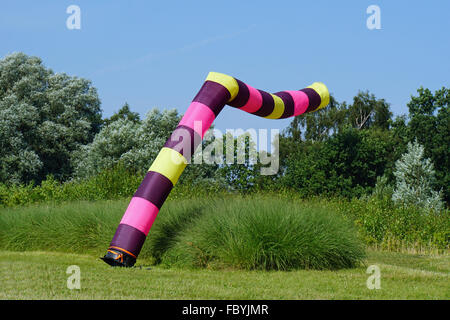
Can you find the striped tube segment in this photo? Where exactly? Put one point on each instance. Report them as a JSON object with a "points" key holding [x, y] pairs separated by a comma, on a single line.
{"points": [[217, 91]]}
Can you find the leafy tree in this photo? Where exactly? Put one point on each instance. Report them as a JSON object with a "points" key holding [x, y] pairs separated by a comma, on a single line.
{"points": [[356, 158], [320, 125], [341, 149], [305, 170], [239, 168], [123, 113], [415, 177], [346, 164], [134, 144], [429, 123], [44, 118], [367, 111]]}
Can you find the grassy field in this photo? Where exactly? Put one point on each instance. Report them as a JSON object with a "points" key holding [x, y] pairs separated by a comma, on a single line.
{"points": [[243, 234], [257, 249], [42, 275]]}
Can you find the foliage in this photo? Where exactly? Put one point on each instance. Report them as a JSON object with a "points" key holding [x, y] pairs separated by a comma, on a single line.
{"points": [[243, 233], [429, 123], [112, 183], [135, 144], [239, 159], [346, 164], [415, 180], [124, 113], [366, 112], [380, 222], [319, 125], [267, 234], [50, 125], [321, 154], [369, 112], [383, 224], [44, 118], [117, 182], [54, 147]]}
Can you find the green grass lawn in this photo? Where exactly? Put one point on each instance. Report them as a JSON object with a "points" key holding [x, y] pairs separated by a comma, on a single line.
{"points": [[42, 275]]}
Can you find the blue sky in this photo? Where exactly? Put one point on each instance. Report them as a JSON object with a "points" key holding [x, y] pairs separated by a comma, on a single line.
{"points": [[158, 53]]}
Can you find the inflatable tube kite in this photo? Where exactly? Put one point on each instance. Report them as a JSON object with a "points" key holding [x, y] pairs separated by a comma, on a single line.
{"points": [[219, 89]]}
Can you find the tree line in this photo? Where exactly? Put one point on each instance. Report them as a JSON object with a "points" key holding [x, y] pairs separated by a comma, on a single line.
{"points": [[52, 124]]}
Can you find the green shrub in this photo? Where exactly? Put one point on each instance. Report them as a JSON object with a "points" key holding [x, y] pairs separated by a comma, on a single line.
{"points": [[415, 178], [249, 233], [379, 221], [76, 227], [266, 234], [117, 182], [382, 223]]}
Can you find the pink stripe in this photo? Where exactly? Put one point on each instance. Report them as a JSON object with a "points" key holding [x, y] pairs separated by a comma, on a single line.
{"points": [[254, 102], [301, 101], [198, 117], [140, 214]]}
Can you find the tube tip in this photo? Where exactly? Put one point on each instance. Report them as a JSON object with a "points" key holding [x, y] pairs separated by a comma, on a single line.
{"points": [[323, 92]]}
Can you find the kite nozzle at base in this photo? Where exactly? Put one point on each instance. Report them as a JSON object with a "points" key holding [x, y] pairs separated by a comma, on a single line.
{"points": [[117, 258]]}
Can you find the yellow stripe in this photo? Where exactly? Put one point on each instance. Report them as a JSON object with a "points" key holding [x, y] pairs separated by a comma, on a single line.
{"points": [[322, 90], [169, 163], [227, 81], [278, 109]]}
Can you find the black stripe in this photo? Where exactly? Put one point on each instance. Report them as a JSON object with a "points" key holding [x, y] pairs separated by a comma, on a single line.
{"points": [[314, 99], [214, 95], [288, 104], [184, 140], [128, 238], [267, 105], [242, 97], [155, 188]]}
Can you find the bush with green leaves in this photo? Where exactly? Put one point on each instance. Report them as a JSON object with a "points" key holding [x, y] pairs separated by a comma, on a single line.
{"points": [[384, 224], [112, 183]]}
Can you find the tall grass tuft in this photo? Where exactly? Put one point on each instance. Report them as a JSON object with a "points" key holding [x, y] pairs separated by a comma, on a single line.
{"points": [[81, 227], [174, 219], [268, 234], [246, 233]]}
